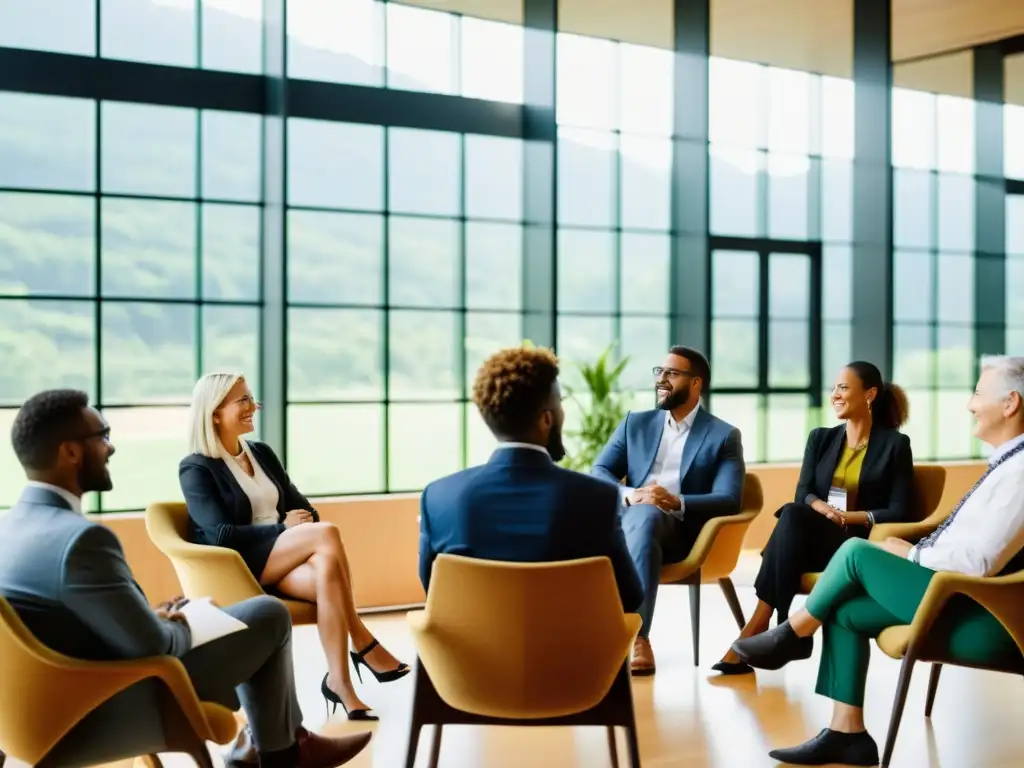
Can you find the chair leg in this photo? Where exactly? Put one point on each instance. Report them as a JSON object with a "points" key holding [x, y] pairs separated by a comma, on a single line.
{"points": [[201, 755], [902, 686], [147, 761], [729, 590], [435, 746], [634, 745], [933, 686], [414, 742], [695, 621], [612, 749]]}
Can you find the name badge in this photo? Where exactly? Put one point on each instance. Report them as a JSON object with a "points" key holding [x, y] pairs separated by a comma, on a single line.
{"points": [[837, 498]]}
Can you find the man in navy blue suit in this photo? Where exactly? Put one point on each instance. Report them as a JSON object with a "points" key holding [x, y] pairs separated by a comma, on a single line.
{"points": [[520, 506], [679, 467]]}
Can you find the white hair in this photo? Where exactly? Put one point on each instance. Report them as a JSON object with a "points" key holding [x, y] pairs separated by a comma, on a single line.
{"points": [[207, 396], [1010, 371]]}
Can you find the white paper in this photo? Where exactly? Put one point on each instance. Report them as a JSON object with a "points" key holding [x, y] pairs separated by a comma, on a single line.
{"points": [[837, 498], [208, 622]]}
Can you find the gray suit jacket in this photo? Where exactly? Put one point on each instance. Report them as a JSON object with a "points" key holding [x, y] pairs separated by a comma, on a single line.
{"points": [[69, 582]]}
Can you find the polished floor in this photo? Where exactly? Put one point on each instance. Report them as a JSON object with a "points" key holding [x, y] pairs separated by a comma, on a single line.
{"points": [[690, 716]]}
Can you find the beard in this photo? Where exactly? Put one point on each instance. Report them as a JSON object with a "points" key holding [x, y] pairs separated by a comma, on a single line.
{"points": [[674, 399], [555, 445], [93, 475]]}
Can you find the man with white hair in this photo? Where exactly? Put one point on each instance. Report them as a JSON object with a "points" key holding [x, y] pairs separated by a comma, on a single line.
{"points": [[868, 587]]}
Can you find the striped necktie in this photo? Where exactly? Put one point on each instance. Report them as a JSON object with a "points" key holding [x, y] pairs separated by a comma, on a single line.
{"points": [[930, 539]]}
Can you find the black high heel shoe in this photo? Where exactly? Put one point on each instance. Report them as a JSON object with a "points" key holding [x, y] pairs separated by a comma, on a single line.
{"points": [[382, 677], [330, 697]]}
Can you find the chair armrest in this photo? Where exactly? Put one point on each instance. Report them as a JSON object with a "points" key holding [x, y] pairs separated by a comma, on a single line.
{"points": [[912, 532], [709, 532], [217, 572]]}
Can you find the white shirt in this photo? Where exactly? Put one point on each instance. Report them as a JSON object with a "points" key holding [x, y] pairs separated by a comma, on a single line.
{"points": [[989, 528], [262, 493], [530, 446], [668, 462], [68, 496]]}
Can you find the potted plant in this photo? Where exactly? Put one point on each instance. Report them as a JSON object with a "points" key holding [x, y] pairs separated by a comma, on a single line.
{"points": [[605, 409]]}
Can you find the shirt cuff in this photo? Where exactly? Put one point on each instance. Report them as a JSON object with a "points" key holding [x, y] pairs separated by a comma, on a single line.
{"points": [[682, 504], [624, 494], [914, 555]]}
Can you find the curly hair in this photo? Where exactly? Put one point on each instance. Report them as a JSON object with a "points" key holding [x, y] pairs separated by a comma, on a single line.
{"points": [[512, 387], [44, 421]]}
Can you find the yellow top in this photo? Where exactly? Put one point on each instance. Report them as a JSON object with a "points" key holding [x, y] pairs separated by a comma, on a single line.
{"points": [[847, 474]]}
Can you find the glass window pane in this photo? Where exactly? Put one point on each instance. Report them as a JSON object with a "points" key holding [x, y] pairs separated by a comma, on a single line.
{"points": [[148, 150], [956, 288], [480, 443], [47, 244], [912, 356], [155, 32], [335, 165], [789, 363], [788, 422], [424, 443], [913, 129], [956, 426], [424, 262], [149, 353], [736, 103], [335, 354], [836, 346], [65, 26], [955, 146], [581, 340], [232, 156], [12, 478], [836, 201], [644, 340], [423, 353], [494, 265], [586, 178], [788, 197], [494, 177], [47, 142], [492, 60], [646, 179], [335, 257], [1013, 141], [744, 413], [231, 252], [956, 212], [734, 345], [955, 358], [424, 170], [736, 205], [1015, 341], [233, 35], [789, 111], [148, 249], [837, 283], [422, 50], [586, 271], [912, 209], [920, 427], [336, 42], [913, 284], [46, 344], [323, 457], [585, 87], [735, 284], [789, 286], [1015, 224], [150, 442], [837, 118], [1014, 299], [646, 89], [486, 333], [644, 270], [231, 342]]}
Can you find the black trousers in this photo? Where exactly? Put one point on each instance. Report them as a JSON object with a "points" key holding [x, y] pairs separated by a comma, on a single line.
{"points": [[803, 542]]}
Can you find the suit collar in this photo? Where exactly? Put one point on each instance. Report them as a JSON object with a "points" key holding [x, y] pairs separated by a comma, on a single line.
{"points": [[699, 421], [50, 495], [698, 431], [515, 453]]}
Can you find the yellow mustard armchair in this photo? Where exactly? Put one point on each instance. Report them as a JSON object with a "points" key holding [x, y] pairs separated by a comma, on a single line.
{"points": [[714, 557], [523, 644], [207, 571], [44, 695]]}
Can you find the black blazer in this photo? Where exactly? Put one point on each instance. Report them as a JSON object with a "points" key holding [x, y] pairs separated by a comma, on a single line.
{"points": [[220, 513], [886, 484]]}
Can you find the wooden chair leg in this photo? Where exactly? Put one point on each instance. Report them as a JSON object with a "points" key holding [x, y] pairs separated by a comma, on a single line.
{"points": [[435, 746], [902, 686], [933, 686], [612, 749], [695, 621], [729, 589]]}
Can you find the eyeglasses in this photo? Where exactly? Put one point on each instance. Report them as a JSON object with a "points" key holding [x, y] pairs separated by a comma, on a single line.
{"points": [[248, 400], [672, 373], [103, 433]]}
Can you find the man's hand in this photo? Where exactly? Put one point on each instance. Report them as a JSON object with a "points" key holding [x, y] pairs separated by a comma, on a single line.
{"points": [[897, 547], [297, 517], [656, 496], [171, 611]]}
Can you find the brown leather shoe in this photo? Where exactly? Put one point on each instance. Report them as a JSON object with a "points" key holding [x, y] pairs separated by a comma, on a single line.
{"points": [[643, 658], [317, 751], [242, 751]]}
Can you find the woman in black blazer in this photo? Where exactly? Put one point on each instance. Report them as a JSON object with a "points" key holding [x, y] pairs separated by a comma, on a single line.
{"points": [[239, 496], [853, 476]]}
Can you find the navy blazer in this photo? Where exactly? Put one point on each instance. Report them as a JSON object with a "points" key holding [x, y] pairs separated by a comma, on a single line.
{"points": [[712, 470], [886, 484], [221, 514], [522, 507]]}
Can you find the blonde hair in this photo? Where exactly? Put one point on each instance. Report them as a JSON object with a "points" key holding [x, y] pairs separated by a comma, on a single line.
{"points": [[207, 396]]}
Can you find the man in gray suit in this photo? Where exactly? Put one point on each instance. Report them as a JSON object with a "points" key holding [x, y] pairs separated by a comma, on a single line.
{"points": [[68, 581]]}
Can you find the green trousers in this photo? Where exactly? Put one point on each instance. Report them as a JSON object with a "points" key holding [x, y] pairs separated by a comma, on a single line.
{"points": [[865, 590]]}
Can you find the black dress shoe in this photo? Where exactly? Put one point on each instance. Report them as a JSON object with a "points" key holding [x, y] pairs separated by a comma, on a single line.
{"points": [[831, 747], [774, 648], [732, 668]]}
